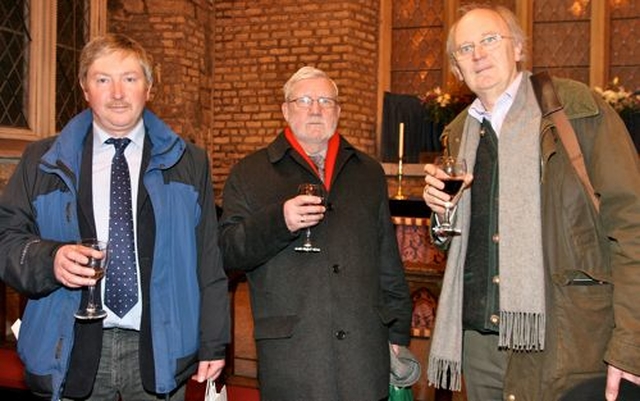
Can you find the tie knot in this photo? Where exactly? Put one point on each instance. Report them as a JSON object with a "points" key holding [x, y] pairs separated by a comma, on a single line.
{"points": [[119, 143], [318, 160]]}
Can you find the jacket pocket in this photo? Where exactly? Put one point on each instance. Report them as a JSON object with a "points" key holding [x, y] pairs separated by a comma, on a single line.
{"points": [[275, 327], [387, 315], [578, 278], [583, 309], [46, 338], [589, 255]]}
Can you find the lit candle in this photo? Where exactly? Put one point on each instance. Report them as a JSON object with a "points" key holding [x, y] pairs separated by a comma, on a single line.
{"points": [[401, 142]]}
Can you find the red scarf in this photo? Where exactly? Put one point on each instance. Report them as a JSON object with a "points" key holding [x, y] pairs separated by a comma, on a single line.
{"points": [[330, 159]]}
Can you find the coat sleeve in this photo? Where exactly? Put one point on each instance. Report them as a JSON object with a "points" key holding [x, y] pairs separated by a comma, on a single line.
{"points": [[615, 173], [27, 259], [215, 319], [250, 237], [614, 169], [395, 290]]}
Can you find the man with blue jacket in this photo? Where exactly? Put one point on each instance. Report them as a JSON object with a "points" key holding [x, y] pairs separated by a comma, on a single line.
{"points": [[174, 324]]}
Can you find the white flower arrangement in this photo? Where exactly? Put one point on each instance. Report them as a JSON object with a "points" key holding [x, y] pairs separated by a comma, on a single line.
{"points": [[622, 100], [443, 106]]}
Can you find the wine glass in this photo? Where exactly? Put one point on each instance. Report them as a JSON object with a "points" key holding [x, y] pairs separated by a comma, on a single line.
{"points": [[93, 310], [315, 190], [455, 169]]}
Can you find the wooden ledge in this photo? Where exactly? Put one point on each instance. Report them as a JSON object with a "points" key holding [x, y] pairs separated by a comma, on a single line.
{"points": [[12, 148]]}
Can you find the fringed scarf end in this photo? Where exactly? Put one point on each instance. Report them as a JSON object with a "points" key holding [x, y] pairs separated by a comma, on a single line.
{"points": [[444, 374], [522, 331]]}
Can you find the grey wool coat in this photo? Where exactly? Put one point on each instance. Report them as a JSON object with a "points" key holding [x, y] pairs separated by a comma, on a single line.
{"points": [[322, 320]]}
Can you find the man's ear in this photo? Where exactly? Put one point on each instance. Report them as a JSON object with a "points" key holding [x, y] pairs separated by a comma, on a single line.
{"points": [[518, 52], [84, 91], [455, 70]]}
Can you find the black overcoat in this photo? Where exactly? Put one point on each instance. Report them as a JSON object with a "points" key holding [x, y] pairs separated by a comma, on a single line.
{"points": [[322, 320]]}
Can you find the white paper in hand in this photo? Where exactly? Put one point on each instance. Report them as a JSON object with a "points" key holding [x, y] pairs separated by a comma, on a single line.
{"points": [[212, 393]]}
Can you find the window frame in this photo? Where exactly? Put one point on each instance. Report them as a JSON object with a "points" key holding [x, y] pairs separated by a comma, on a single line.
{"points": [[41, 105]]}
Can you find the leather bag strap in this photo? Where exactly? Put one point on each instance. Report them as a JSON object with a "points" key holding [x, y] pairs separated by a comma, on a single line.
{"points": [[551, 107]]}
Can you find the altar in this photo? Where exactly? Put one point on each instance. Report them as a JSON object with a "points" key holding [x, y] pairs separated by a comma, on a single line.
{"points": [[424, 269]]}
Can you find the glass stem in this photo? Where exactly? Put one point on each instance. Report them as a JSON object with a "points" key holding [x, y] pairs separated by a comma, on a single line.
{"points": [[307, 241], [91, 300], [447, 215]]}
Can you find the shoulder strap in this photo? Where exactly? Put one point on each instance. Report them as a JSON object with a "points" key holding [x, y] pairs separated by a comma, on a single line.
{"points": [[551, 107]]}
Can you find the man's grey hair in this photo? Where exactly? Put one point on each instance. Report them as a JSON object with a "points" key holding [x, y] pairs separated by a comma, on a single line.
{"points": [[306, 72]]}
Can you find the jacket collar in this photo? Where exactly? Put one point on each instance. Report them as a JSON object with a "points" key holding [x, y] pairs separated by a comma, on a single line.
{"points": [[578, 101], [574, 97], [66, 152], [280, 147]]}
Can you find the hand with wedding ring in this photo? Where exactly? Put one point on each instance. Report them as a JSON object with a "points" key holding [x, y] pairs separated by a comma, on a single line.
{"points": [[432, 194], [303, 211]]}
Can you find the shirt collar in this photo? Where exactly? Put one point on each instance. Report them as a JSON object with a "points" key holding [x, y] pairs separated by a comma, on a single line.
{"points": [[504, 102], [136, 135]]}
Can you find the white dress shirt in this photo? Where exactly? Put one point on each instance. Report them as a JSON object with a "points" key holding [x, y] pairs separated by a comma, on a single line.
{"points": [[102, 155], [500, 109]]}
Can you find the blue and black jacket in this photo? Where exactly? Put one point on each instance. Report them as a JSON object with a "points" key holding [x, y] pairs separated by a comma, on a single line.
{"points": [[180, 262]]}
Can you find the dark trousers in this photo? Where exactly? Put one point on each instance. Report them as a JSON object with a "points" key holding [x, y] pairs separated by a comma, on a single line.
{"points": [[118, 376], [483, 366]]}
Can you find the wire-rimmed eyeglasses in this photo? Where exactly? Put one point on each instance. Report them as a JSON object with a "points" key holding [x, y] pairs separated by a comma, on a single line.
{"points": [[305, 102], [489, 42]]}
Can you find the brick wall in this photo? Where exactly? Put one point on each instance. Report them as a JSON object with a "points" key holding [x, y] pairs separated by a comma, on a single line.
{"points": [[178, 35], [259, 44], [220, 66]]}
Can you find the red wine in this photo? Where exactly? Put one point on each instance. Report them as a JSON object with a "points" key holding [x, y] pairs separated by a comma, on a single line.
{"points": [[451, 187]]}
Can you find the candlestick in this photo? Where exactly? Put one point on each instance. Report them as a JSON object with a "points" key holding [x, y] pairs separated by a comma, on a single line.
{"points": [[401, 142], [399, 194]]}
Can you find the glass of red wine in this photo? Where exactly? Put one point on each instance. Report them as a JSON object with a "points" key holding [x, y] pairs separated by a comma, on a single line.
{"points": [[315, 190], [455, 169]]}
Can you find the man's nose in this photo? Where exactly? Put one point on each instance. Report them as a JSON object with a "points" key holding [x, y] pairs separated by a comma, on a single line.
{"points": [[479, 51], [117, 90], [315, 107]]}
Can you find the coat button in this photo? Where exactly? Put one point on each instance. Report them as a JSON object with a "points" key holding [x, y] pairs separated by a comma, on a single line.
{"points": [[495, 279], [495, 238], [511, 397], [341, 334], [336, 268], [494, 319]]}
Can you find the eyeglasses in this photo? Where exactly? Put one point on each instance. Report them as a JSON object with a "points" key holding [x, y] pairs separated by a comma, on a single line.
{"points": [[305, 102], [489, 42]]}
